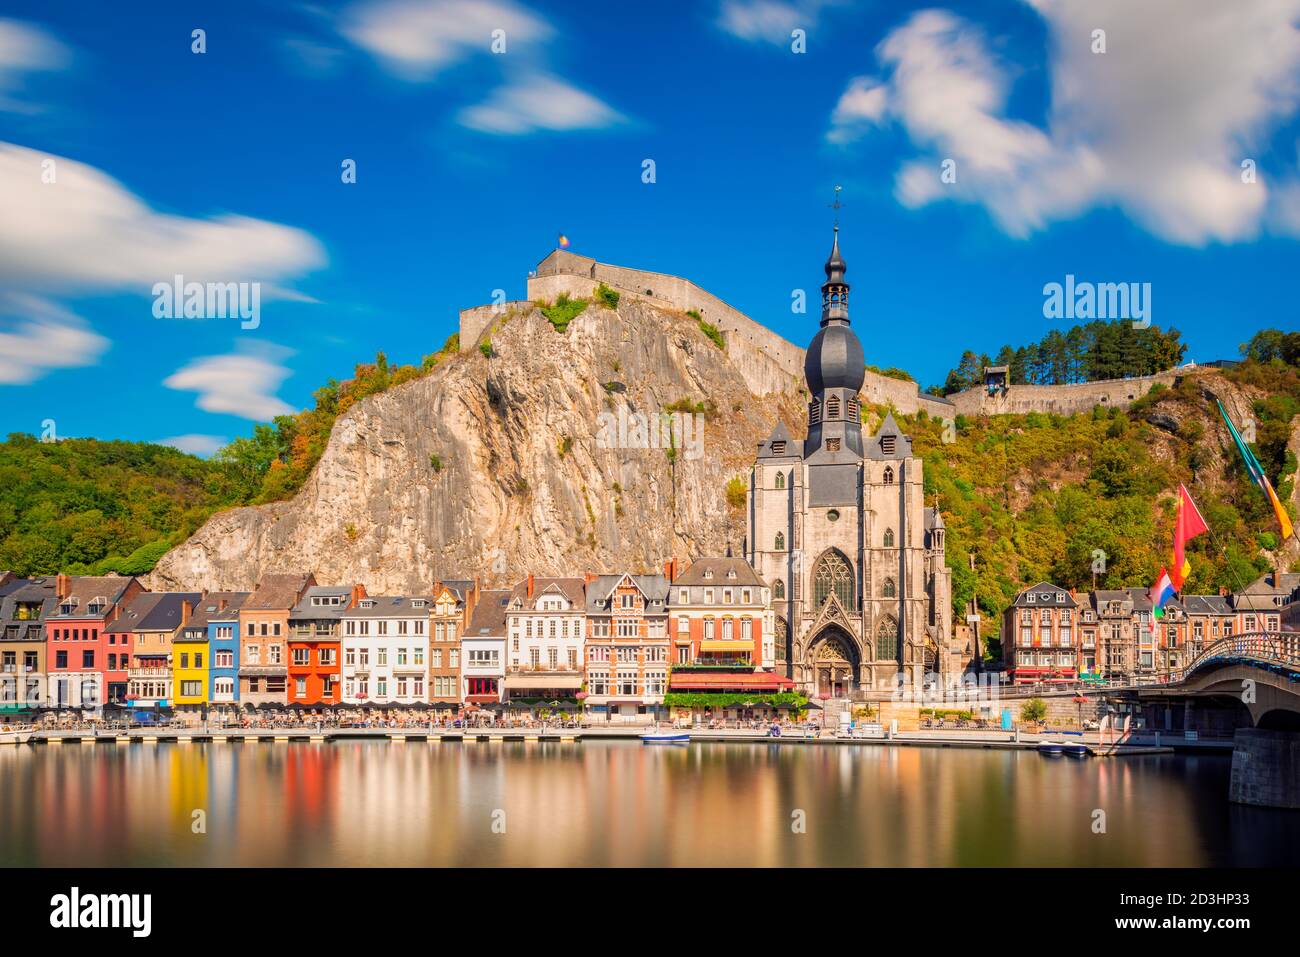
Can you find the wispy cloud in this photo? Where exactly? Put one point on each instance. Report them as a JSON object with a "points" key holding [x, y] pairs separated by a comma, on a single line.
{"points": [[538, 102], [241, 383], [37, 336], [195, 444], [769, 21], [418, 39], [1158, 125], [26, 48], [85, 231]]}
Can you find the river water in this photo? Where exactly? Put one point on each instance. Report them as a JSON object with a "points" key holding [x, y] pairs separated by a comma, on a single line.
{"points": [[373, 803]]}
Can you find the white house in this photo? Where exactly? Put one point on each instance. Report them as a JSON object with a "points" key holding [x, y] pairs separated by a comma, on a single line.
{"points": [[386, 650]]}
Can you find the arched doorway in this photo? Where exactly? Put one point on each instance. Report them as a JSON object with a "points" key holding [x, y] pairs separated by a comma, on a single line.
{"points": [[834, 663]]}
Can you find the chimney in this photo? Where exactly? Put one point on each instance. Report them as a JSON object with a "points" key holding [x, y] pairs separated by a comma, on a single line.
{"points": [[591, 577], [221, 604], [358, 593], [530, 586], [187, 606], [670, 570], [62, 586]]}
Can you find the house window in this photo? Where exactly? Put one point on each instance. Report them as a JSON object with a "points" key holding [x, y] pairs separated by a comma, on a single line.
{"points": [[88, 660], [301, 657]]}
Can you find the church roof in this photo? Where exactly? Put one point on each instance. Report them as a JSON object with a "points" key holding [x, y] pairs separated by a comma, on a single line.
{"points": [[889, 442]]}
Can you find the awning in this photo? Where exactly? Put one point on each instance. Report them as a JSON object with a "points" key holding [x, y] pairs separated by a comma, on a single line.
{"points": [[728, 681], [519, 682], [480, 698], [718, 644]]}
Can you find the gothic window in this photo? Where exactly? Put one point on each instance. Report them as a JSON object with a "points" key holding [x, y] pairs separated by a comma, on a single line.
{"points": [[780, 480], [833, 575], [887, 640], [833, 407], [889, 538], [889, 475], [778, 589], [891, 591], [780, 542]]}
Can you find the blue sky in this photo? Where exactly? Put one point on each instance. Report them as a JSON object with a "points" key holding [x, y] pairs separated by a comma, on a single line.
{"points": [[1122, 165]]}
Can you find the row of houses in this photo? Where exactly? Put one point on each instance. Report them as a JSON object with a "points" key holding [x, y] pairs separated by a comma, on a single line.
{"points": [[609, 641], [1053, 635]]}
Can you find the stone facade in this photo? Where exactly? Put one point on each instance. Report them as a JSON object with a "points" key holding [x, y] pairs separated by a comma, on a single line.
{"points": [[838, 527]]}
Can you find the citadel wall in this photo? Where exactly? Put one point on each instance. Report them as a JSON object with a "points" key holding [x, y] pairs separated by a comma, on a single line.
{"points": [[768, 363]]}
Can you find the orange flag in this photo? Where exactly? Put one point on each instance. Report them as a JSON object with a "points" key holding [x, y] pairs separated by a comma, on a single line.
{"points": [[1187, 526]]}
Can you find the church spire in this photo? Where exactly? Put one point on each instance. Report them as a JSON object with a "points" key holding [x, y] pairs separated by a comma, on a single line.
{"points": [[835, 291]]}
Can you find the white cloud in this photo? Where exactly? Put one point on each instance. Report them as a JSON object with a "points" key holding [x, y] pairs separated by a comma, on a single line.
{"points": [[769, 21], [861, 106], [240, 383], [195, 444], [86, 232], [538, 102], [37, 336], [418, 39], [1158, 125], [25, 48]]}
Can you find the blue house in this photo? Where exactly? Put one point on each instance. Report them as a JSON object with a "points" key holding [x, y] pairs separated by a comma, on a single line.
{"points": [[223, 648]]}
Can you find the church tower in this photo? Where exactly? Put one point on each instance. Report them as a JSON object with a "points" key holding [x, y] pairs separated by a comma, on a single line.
{"points": [[837, 526]]}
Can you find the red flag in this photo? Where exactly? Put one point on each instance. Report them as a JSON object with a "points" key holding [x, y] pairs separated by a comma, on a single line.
{"points": [[1187, 526]]}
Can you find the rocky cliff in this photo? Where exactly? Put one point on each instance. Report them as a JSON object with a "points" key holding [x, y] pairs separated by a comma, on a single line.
{"points": [[497, 466]]}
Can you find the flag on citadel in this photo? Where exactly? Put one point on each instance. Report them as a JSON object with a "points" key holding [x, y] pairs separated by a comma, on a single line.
{"points": [[1161, 592], [1259, 478], [1187, 526], [563, 241]]}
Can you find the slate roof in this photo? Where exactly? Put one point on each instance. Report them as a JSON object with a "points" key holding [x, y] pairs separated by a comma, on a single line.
{"points": [[278, 592], [86, 588], [305, 609], [23, 591], [153, 611], [1045, 595], [209, 610], [745, 574], [654, 587], [489, 618], [570, 588], [389, 606]]}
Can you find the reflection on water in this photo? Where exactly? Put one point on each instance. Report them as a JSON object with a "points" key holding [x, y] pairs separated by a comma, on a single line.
{"points": [[374, 803]]}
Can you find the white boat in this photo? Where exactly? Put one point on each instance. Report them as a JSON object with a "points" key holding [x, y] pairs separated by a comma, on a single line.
{"points": [[15, 737], [665, 737]]}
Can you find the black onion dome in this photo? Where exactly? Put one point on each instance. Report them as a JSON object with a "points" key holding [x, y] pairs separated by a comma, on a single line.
{"points": [[834, 360]]}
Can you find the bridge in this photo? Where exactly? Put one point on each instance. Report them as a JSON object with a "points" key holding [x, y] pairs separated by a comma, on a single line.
{"points": [[1250, 683]]}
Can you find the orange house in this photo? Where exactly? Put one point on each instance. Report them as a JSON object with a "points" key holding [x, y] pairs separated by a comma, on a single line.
{"points": [[315, 635], [264, 637]]}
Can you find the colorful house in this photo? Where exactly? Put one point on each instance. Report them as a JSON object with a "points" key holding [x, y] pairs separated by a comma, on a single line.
{"points": [[25, 604], [85, 665], [453, 604], [722, 615], [483, 649], [627, 646], [386, 650], [192, 654], [544, 627], [1040, 636], [153, 620], [264, 627], [315, 643], [223, 649]]}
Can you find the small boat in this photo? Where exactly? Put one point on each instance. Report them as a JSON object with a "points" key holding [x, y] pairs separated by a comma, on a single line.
{"points": [[666, 737], [15, 737], [1051, 747], [1076, 749]]}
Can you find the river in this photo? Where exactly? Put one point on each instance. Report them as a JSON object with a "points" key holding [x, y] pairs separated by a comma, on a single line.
{"points": [[374, 803]]}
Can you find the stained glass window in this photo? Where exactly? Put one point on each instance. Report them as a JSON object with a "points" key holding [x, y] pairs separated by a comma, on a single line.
{"points": [[833, 574]]}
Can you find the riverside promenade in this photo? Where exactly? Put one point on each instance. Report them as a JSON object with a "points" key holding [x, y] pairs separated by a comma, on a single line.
{"points": [[1133, 744]]}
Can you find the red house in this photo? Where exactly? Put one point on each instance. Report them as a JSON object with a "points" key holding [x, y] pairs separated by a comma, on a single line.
{"points": [[85, 665], [314, 643]]}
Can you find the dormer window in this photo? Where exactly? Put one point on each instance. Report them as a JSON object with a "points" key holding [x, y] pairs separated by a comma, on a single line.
{"points": [[367, 603], [731, 573], [97, 604], [778, 448], [708, 573], [887, 444], [418, 602], [68, 607], [1030, 598]]}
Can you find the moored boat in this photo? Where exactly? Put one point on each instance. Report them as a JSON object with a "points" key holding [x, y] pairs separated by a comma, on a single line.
{"points": [[665, 737], [1051, 747], [1076, 749]]}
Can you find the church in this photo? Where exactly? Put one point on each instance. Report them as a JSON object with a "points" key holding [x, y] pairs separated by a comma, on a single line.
{"points": [[838, 527]]}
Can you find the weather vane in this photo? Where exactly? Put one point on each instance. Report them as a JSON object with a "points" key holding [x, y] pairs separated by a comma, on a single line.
{"points": [[837, 206]]}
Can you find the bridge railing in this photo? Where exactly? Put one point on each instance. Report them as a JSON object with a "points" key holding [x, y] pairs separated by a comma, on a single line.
{"points": [[1268, 647]]}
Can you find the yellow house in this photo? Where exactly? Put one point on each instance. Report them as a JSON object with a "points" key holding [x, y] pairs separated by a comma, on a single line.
{"points": [[190, 661]]}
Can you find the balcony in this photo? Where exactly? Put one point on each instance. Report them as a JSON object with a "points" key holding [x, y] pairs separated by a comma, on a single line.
{"points": [[149, 672]]}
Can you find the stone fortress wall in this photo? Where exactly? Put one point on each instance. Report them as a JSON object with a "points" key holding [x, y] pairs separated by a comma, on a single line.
{"points": [[770, 363]]}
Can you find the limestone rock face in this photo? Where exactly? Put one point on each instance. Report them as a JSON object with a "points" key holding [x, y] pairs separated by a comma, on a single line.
{"points": [[498, 467]]}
